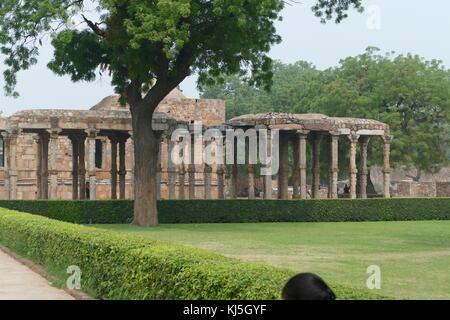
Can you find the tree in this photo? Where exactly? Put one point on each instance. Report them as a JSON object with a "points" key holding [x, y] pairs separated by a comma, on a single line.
{"points": [[149, 47], [242, 98], [407, 92]]}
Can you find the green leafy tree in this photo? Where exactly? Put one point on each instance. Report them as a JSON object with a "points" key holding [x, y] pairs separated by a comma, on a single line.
{"points": [[149, 47], [243, 98], [407, 92]]}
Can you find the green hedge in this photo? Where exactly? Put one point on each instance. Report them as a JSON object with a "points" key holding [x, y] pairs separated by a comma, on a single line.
{"points": [[236, 211], [119, 266]]}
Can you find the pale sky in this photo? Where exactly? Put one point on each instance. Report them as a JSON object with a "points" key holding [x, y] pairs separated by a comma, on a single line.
{"points": [[416, 26]]}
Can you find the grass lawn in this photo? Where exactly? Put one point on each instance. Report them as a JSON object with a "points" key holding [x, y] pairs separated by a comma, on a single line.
{"points": [[414, 257]]}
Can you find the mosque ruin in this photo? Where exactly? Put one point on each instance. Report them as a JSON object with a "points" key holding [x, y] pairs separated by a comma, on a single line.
{"points": [[88, 154]]}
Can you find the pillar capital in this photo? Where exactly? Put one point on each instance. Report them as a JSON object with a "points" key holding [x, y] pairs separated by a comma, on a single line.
{"points": [[54, 132], [353, 137], [302, 133], [334, 134], [387, 139], [208, 169], [91, 133]]}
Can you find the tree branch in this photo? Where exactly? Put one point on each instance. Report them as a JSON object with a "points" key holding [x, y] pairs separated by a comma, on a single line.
{"points": [[94, 27]]}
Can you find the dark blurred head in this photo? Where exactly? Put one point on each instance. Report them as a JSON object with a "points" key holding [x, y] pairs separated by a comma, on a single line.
{"points": [[307, 286]]}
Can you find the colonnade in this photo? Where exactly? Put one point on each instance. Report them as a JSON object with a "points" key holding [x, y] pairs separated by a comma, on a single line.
{"points": [[83, 144], [299, 140]]}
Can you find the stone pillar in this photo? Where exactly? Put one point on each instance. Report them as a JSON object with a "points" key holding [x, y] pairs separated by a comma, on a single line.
{"points": [[316, 166], [38, 141], [363, 172], [220, 181], [122, 167], [284, 167], [53, 169], [251, 171], [42, 141], [191, 170], [207, 181], [302, 136], [334, 166], [11, 172], [296, 168], [352, 168], [251, 181], [171, 170], [268, 178], [114, 142], [82, 166], [159, 171], [92, 170], [181, 182], [5, 137], [75, 161], [132, 164], [234, 173], [386, 165]]}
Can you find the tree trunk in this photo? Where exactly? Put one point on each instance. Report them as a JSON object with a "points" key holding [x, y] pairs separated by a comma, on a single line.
{"points": [[146, 149]]}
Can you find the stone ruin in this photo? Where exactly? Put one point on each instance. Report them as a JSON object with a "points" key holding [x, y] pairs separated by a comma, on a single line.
{"points": [[88, 154]]}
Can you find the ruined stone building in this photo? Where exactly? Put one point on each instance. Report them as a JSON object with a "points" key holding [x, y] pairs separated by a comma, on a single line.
{"points": [[40, 150], [88, 154]]}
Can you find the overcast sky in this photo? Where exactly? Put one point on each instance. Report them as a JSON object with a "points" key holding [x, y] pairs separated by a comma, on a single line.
{"points": [[416, 26]]}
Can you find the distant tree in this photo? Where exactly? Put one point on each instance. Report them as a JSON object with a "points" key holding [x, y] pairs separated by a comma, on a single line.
{"points": [[242, 98], [149, 47]]}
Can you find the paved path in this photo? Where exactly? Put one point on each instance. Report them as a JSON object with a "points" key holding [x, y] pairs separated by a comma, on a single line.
{"points": [[17, 282]]}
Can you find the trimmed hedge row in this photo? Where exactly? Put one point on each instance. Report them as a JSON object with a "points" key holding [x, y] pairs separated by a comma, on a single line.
{"points": [[237, 211], [119, 266]]}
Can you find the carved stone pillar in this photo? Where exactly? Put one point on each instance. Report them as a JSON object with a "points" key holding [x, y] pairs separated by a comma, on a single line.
{"points": [[113, 140], [207, 181], [352, 168], [234, 173], [42, 141], [220, 181], [75, 161], [284, 167], [11, 172], [191, 170], [302, 137], [38, 141], [171, 170], [53, 169], [122, 166], [268, 190], [131, 153], [363, 172], [334, 166], [82, 166], [6, 152], [316, 166], [386, 165], [296, 168], [181, 182], [92, 170], [158, 170], [251, 181]]}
